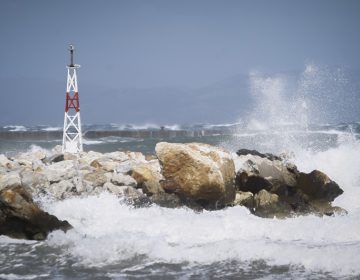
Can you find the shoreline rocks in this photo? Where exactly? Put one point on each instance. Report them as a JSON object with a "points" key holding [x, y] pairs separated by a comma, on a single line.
{"points": [[195, 175], [20, 217]]}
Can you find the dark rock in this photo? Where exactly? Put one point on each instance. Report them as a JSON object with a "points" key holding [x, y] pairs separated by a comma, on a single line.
{"points": [[244, 199], [54, 158], [322, 207], [318, 185], [248, 182], [20, 217], [268, 205], [166, 200], [170, 186], [244, 152]]}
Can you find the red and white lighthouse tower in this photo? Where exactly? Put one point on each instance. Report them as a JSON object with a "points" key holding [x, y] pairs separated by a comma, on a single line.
{"points": [[72, 136]]}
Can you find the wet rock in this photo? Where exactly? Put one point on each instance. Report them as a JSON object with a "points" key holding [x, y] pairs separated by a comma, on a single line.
{"points": [[244, 152], [250, 182], [54, 158], [275, 169], [318, 185], [147, 178], [268, 205], [202, 172], [245, 199], [20, 217], [323, 207], [166, 200]]}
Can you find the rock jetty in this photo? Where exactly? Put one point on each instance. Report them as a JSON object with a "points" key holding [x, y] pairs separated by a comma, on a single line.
{"points": [[195, 175]]}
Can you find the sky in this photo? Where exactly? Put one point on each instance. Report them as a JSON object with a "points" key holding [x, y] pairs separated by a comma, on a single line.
{"points": [[165, 44]]}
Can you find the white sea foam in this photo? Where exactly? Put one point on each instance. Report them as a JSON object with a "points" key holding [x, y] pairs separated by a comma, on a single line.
{"points": [[51, 128], [117, 232], [15, 127]]}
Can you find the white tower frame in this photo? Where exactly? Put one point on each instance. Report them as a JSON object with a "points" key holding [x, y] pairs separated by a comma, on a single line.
{"points": [[72, 135]]}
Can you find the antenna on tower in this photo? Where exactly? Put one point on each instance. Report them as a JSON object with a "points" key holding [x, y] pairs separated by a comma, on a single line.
{"points": [[71, 49], [72, 136]]}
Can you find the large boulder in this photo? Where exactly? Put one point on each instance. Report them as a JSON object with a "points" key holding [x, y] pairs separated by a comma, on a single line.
{"points": [[201, 172], [20, 217], [318, 185]]}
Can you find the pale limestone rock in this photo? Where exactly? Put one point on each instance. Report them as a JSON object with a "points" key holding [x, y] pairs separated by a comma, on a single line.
{"points": [[123, 180], [96, 178], [62, 189], [7, 163], [10, 179], [62, 170]]}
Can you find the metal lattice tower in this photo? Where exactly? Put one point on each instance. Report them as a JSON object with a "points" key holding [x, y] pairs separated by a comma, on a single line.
{"points": [[72, 137]]}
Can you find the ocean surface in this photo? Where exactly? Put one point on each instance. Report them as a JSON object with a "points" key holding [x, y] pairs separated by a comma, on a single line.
{"points": [[112, 240]]}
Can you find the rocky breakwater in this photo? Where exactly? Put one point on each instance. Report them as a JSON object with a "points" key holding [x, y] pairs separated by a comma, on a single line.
{"points": [[195, 175], [270, 186]]}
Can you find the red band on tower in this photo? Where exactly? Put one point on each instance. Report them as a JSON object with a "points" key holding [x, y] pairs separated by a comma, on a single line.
{"points": [[72, 102]]}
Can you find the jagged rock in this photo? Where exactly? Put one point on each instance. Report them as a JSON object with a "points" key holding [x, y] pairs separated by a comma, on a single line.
{"points": [[54, 158], [4, 161], [34, 181], [20, 217], [96, 164], [123, 191], [89, 157], [123, 180], [166, 200], [318, 185], [62, 189], [268, 205], [147, 178], [244, 152], [245, 199], [322, 207], [11, 179], [249, 182], [202, 172], [58, 171], [96, 178], [275, 169], [7, 163]]}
